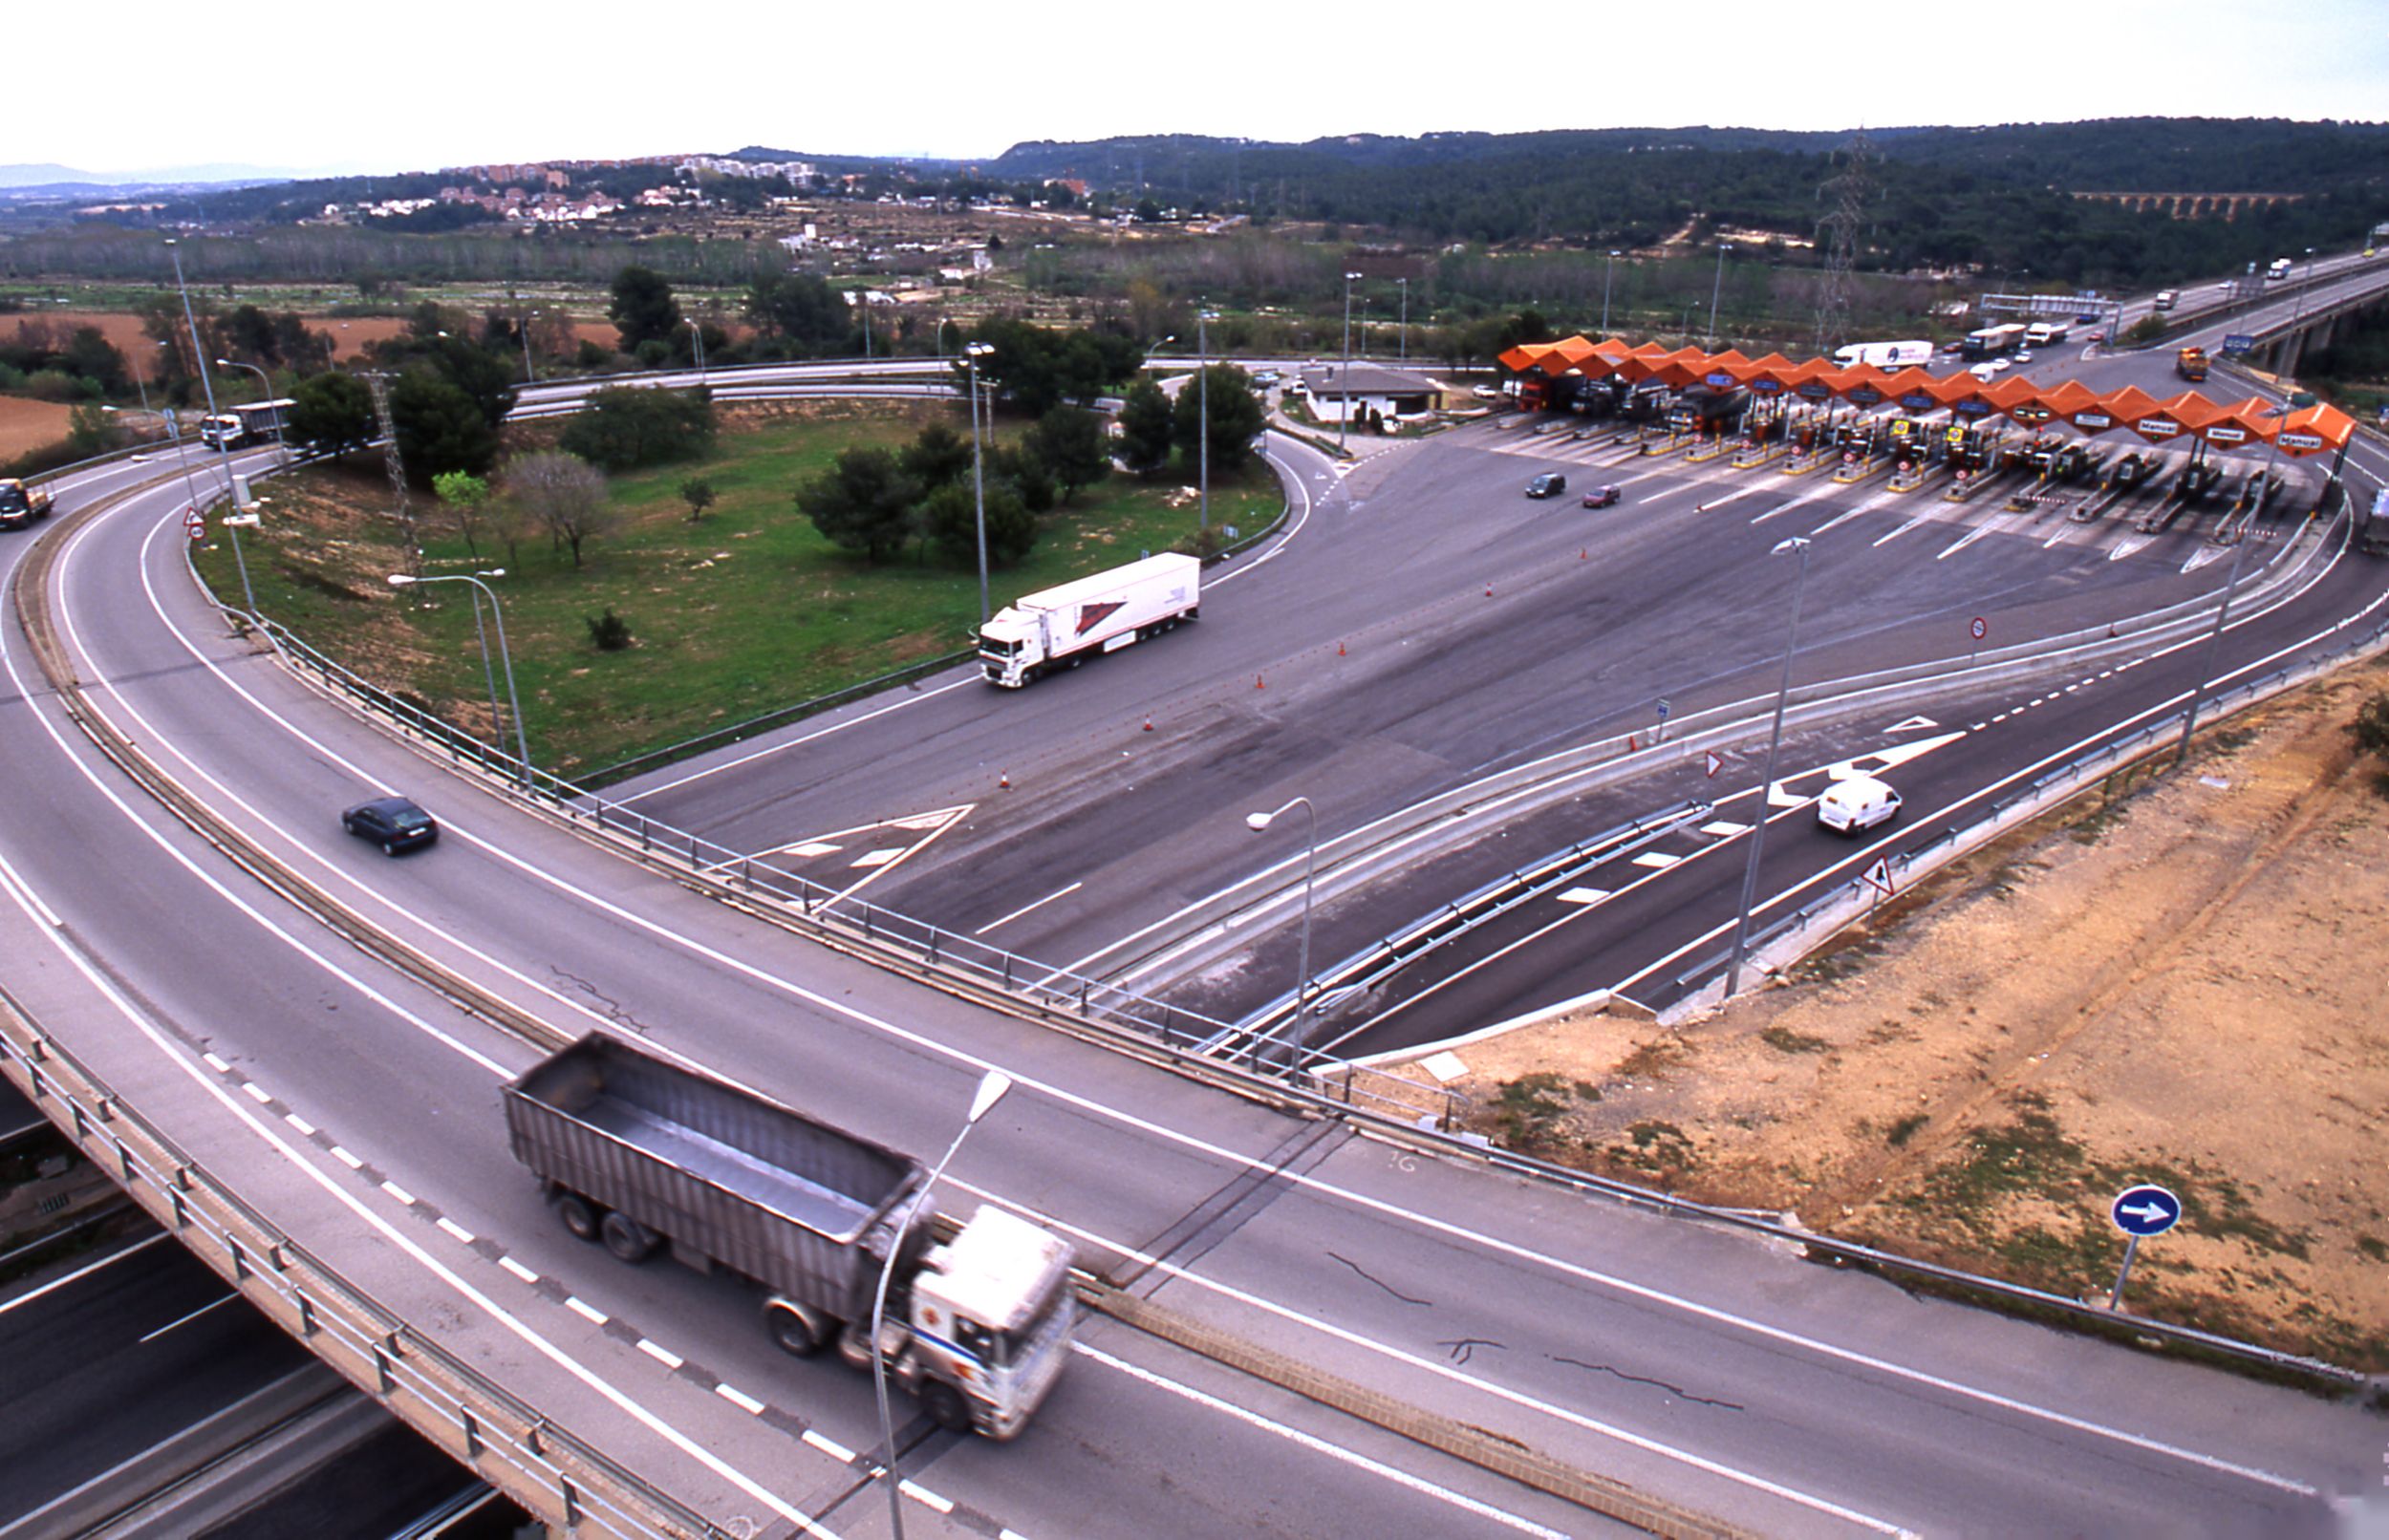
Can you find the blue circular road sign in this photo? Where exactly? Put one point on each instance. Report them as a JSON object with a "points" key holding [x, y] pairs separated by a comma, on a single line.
{"points": [[2146, 1210]]}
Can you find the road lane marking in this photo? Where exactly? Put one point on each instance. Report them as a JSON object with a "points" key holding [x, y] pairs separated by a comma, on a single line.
{"points": [[463, 1236], [1025, 908], [192, 1317], [1319, 1445], [55, 1284], [587, 1312], [740, 1399], [664, 1355], [518, 1270]]}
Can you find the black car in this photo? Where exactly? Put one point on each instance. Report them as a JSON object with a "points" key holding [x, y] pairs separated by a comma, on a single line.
{"points": [[1601, 497], [1549, 484], [392, 822]]}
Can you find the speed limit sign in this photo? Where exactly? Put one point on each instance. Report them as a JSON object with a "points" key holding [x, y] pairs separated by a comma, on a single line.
{"points": [[1981, 628], [196, 528]]}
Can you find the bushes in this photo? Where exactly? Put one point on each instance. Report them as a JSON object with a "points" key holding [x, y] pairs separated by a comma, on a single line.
{"points": [[625, 428]]}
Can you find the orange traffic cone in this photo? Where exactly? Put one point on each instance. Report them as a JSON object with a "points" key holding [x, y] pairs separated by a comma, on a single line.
{"points": [[1003, 780], [1259, 683], [1631, 746], [1584, 555], [1148, 723], [1339, 648], [1488, 591]]}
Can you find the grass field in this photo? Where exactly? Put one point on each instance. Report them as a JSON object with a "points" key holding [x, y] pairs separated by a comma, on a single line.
{"points": [[746, 612]]}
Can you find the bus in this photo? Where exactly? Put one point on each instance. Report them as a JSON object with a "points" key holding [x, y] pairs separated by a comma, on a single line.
{"points": [[1993, 340]]}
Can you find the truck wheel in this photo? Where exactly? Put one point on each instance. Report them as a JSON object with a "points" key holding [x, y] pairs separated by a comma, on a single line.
{"points": [[945, 1406], [627, 1238], [794, 1334], [579, 1215]]}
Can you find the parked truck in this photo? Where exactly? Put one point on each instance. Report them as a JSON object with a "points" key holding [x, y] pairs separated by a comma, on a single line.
{"points": [[21, 504], [2190, 363], [643, 1154], [1062, 627]]}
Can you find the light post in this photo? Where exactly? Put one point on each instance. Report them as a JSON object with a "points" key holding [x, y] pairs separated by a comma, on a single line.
{"points": [[1258, 822], [1798, 543], [1716, 288], [173, 431], [531, 375], [198, 356], [265, 386], [234, 523], [697, 337], [140, 381], [1609, 273], [991, 1089], [522, 741], [975, 352], [1344, 384], [1405, 283], [1202, 406]]}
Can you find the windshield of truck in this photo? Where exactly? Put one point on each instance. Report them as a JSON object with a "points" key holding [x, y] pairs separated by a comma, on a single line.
{"points": [[1018, 1346], [12, 498], [993, 648]]}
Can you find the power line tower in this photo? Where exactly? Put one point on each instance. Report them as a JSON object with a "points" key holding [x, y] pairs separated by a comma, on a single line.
{"points": [[379, 383], [1849, 192]]}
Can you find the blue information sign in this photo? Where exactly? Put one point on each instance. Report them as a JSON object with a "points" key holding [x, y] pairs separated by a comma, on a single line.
{"points": [[2147, 1210], [2239, 344]]}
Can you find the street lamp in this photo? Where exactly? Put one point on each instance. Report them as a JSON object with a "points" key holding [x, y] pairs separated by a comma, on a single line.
{"points": [[1798, 543], [198, 356], [522, 741], [1344, 416], [1717, 286], [696, 336], [1405, 283], [1202, 403], [1258, 822], [531, 375], [1609, 272], [992, 1087], [975, 352]]}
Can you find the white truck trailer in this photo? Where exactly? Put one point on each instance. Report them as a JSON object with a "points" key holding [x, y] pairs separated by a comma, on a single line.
{"points": [[1883, 354], [641, 1154], [1062, 626]]}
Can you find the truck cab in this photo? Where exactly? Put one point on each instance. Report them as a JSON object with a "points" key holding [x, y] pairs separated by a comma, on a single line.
{"points": [[990, 1315], [21, 504]]}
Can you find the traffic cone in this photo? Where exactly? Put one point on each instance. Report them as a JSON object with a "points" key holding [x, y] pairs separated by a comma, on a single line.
{"points": [[1631, 746], [1259, 683], [1148, 723], [1488, 591], [1003, 780], [1339, 648], [1584, 555]]}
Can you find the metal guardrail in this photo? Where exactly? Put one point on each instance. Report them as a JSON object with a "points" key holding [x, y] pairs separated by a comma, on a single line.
{"points": [[546, 1467]]}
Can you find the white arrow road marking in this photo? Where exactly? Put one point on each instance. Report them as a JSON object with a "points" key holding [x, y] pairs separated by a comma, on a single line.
{"points": [[1913, 724]]}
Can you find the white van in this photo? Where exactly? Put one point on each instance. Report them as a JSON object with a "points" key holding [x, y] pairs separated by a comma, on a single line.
{"points": [[1857, 804]]}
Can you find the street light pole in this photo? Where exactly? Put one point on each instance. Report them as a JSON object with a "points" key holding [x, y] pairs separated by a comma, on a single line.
{"points": [[1609, 273], [522, 739], [1344, 385], [1298, 1038], [991, 1089], [1716, 288], [975, 352], [198, 356], [531, 375], [696, 336], [1202, 403], [1798, 543]]}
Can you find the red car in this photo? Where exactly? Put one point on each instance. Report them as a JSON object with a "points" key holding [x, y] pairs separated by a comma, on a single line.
{"points": [[1601, 497]]}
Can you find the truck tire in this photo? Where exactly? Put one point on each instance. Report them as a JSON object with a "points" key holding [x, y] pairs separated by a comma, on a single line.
{"points": [[796, 1336], [579, 1215], [627, 1238], [945, 1406]]}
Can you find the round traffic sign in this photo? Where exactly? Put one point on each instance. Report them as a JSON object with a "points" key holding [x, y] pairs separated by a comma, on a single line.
{"points": [[196, 528], [1981, 628], [2146, 1210]]}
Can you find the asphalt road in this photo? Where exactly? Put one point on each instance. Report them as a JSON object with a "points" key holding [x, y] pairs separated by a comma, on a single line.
{"points": [[360, 1112], [112, 1356]]}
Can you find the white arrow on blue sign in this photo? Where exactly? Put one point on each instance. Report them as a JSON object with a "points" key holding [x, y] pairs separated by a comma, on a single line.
{"points": [[2147, 1210]]}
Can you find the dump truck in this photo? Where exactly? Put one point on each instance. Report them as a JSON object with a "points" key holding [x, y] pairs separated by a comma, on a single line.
{"points": [[21, 504], [251, 423], [1062, 626], [643, 1154], [2190, 363]]}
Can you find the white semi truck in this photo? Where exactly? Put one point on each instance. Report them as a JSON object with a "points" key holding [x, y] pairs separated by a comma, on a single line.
{"points": [[1062, 626], [644, 1154]]}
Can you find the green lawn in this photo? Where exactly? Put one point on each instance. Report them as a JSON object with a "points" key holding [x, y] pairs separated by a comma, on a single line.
{"points": [[748, 611]]}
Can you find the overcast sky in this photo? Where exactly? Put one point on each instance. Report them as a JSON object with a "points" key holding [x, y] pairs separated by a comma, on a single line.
{"points": [[438, 82]]}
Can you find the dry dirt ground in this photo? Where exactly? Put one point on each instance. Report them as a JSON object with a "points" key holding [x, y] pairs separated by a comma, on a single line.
{"points": [[349, 333], [27, 424], [2177, 979]]}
